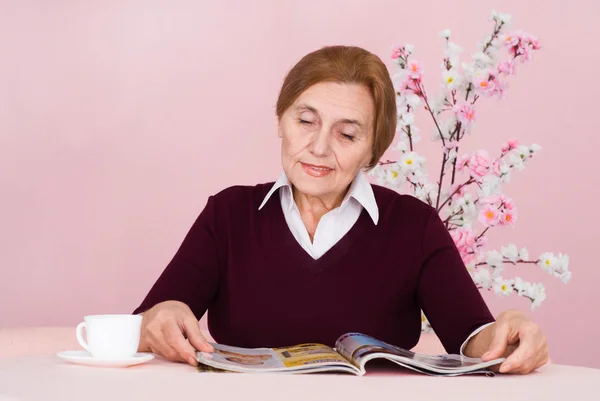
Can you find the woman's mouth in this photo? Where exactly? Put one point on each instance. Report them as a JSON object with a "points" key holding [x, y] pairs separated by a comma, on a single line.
{"points": [[315, 170]]}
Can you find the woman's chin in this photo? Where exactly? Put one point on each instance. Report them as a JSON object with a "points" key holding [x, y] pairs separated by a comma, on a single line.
{"points": [[313, 186]]}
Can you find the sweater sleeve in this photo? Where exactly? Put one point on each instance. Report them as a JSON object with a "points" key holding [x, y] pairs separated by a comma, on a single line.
{"points": [[446, 292], [192, 274]]}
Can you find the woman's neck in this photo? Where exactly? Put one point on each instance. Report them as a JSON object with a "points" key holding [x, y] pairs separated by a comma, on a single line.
{"points": [[312, 208]]}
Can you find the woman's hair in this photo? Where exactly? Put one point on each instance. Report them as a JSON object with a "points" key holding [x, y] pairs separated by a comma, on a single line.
{"points": [[347, 64]]}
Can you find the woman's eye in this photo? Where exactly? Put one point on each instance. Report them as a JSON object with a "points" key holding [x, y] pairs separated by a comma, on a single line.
{"points": [[305, 122], [349, 137]]}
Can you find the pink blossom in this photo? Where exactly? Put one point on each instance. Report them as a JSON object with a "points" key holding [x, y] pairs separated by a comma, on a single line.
{"points": [[524, 51], [397, 52], [491, 200], [465, 241], [465, 112], [479, 244], [506, 67], [531, 41], [490, 215], [449, 145], [510, 145], [501, 88], [408, 85], [479, 163], [485, 84], [463, 237], [497, 167], [508, 203], [415, 70], [508, 218], [457, 189], [510, 40], [462, 162]]}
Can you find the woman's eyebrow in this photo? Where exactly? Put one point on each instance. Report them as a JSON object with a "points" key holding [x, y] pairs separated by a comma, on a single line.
{"points": [[304, 106]]}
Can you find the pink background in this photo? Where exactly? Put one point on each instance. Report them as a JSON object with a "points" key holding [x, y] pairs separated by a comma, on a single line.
{"points": [[118, 119]]}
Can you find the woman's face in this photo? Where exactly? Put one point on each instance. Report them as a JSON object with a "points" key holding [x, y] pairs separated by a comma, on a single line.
{"points": [[327, 137]]}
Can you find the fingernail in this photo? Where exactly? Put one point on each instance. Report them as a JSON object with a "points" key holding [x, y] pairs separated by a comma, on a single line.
{"points": [[504, 367], [486, 355]]}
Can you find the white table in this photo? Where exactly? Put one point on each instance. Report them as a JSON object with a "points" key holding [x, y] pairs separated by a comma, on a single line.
{"points": [[50, 378]]}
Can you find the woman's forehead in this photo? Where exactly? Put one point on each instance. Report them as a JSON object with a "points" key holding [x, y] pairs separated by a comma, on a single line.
{"points": [[337, 101]]}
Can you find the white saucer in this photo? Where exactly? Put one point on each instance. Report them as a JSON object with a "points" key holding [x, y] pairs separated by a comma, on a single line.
{"points": [[81, 357]]}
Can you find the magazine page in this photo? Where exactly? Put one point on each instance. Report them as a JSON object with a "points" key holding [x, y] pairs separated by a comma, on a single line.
{"points": [[308, 357], [359, 348]]}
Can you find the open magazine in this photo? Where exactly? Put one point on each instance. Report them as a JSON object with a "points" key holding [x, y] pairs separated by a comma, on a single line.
{"points": [[351, 353]]}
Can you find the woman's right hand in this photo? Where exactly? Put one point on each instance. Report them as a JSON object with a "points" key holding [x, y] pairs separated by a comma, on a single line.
{"points": [[171, 330]]}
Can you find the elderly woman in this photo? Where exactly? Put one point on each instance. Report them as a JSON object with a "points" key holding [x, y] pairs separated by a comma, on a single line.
{"points": [[321, 251]]}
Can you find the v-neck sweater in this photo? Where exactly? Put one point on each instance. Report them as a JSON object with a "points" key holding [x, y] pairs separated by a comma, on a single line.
{"points": [[261, 288]]}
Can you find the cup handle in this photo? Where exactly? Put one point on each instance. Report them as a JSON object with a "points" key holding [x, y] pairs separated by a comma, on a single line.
{"points": [[78, 333]]}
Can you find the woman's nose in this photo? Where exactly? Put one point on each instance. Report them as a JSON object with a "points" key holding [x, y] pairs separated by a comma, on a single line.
{"points": [[320, 143]]}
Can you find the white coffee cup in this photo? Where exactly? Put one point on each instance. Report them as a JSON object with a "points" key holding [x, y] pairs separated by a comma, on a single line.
{"points": [[110, 336]]}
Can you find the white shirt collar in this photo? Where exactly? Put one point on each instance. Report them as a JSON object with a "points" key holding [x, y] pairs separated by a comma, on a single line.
{"points": [[360, 190]]}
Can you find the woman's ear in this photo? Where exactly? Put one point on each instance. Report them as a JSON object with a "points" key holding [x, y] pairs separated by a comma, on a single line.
{"points": [[279, 130]]}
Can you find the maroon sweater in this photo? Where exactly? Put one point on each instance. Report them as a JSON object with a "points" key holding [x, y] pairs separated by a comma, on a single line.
{"points": [[262, 289]]}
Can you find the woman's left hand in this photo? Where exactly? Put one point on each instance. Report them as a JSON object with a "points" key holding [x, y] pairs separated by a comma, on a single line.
{"points": [[518, 339]]}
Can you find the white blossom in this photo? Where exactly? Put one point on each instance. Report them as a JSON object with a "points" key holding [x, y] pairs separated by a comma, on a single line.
{"points": [[452, 50], [510, 252], [536, 292], [437, 104], [494, 258], [483, 278], [562, 262], [515, 161], [431, 190], [538, 295], [408, 119], [548, 262], [524, 254], [523, 152], [410, 161], [413, 100], [565, 277], [379, 173], [469, 207], [451, 79], [482, 61], [468, 71], [451, 155], [501, 17], [519, 285], [561, 268], [415, 135], [394, 176], [417, 176], [490, 185], [398, 77], [425, 325], [445, 33], [402, 146], [421, 193], [502, 286]]}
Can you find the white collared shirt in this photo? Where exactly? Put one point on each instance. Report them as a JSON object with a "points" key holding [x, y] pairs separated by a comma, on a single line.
{"points": [[335, 223]]}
